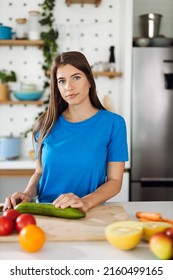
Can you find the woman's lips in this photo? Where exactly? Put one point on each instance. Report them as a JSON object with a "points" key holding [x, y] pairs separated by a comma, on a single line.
{"points": [[71, 96]]}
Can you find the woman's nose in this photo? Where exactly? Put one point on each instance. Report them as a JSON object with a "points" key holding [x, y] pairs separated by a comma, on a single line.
{"points": [[68, 85]]}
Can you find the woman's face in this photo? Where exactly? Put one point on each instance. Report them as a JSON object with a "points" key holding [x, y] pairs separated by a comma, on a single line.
{"points": [[72, 84]]}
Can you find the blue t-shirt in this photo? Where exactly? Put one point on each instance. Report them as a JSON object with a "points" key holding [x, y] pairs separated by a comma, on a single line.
{"points": [[75, 155]]}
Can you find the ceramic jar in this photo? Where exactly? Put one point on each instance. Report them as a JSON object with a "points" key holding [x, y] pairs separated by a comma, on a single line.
{"points": [[21, 28], [34, 25]]}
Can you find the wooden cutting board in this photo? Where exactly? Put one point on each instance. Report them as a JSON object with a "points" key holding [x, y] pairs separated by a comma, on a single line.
{"points": [[90, 228]]}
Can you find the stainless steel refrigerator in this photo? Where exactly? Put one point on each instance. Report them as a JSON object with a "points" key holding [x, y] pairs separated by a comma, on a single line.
{"points": [[151, 175]]}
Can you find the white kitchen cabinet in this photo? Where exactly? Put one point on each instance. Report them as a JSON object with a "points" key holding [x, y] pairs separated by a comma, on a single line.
{"points": [[12, 185], [123, 196]]}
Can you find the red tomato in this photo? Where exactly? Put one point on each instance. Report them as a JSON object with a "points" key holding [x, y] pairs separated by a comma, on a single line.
{"points": [[12, 214], [6, 226], [24, 220]]}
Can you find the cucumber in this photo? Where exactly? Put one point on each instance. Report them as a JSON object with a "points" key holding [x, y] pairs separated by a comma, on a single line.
{"points": [[48, 209]]}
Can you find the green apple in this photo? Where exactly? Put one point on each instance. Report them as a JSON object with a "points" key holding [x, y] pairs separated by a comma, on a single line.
{"points": [[161, 246]]}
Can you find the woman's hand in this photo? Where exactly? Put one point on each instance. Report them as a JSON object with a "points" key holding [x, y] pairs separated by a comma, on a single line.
{"points": [[70, 199], [16, 198]]}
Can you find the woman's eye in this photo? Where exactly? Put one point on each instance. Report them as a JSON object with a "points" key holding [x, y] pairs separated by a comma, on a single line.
{"points": [[61, 81], [76, 77]]}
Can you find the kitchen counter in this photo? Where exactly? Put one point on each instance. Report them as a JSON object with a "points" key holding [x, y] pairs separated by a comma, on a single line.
{"points": [[20, 163], [28, 163], [100, 250], [21, 167]]}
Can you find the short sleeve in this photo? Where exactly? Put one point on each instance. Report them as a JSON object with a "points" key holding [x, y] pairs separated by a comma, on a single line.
{"points": [[117, 147]]}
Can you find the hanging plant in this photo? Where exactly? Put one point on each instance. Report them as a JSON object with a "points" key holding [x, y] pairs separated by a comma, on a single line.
{"points": [[49, 35]]}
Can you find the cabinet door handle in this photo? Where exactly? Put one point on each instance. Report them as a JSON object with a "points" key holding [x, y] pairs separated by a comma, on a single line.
{"points": [[156, 182], [168, 61]]}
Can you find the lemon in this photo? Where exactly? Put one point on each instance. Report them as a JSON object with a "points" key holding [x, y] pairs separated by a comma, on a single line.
{"points": [[150, 228], [124, 235]]}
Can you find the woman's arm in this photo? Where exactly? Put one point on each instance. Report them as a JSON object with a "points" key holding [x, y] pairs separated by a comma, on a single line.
{"points": [[110, 188], [29, 192], [31, 189]]}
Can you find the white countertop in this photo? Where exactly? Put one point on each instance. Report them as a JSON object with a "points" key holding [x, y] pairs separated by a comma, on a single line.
{"points": [[101, 250], [21, 163], [27, 163]]}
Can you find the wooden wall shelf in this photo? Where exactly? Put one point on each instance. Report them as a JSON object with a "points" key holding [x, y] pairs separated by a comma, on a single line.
{"points": [[96, 2], [35, 43], [108, 74], [28, 102]]}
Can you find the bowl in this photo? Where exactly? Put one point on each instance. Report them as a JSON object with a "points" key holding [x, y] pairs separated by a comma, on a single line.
{"points": [[161, 42], [27, 95], [142, 42]]}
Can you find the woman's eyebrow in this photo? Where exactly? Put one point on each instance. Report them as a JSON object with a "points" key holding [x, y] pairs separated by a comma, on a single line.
{"points": [[70, 76], [76, 74]]}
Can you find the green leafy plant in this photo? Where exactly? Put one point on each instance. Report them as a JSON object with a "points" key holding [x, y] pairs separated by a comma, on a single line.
{"points": [[49, 35], [6, 77]]}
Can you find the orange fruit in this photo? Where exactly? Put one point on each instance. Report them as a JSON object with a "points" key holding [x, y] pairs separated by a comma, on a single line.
{"points": [[124, 235], [31, 238]]}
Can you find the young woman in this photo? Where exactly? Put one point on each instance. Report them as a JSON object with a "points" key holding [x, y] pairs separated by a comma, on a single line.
{"points": [[80, 147]]}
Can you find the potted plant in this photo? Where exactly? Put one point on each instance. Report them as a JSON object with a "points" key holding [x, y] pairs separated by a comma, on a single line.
{"points": [[6, 77]]}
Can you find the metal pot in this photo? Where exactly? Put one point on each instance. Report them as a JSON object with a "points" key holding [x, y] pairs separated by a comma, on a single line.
{"points": [[9, 147], [5, 32], [150, 25]]}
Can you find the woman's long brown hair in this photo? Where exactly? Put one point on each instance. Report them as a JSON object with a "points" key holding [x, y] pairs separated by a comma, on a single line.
{"points": [[57, 104]]}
